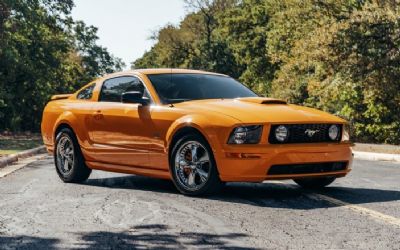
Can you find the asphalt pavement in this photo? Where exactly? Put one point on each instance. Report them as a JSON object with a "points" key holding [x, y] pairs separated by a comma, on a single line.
{"points": [[116, 211]]}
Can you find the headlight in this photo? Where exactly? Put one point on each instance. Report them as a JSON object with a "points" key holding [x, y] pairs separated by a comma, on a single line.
{"points": [[334, 132], [282, 133], [346, 133], [246, 135]]}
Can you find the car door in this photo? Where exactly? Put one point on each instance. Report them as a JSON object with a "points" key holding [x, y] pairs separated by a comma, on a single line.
{"points": [[81, 108], [121, 132]]}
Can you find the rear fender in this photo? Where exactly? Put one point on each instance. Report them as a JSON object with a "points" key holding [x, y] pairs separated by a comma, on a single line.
{"points": [[71, 120]]}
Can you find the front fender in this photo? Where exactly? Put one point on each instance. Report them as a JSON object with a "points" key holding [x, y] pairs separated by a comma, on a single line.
{"points": [[199, 122], [214, 127]]}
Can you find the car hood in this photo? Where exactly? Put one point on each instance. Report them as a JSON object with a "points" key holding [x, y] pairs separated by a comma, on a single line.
{"points": [[260, 110]]}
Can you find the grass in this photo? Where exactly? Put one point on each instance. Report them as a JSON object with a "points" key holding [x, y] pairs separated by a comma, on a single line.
{"points": [[17, 143], [377, 148]]}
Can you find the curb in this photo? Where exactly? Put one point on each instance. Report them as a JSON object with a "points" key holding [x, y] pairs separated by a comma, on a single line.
{"points": [[24, 154], [369, 156]]}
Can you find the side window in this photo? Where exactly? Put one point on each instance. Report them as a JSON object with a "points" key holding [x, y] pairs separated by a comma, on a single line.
{"points": [[112, 89], [86, 93]]}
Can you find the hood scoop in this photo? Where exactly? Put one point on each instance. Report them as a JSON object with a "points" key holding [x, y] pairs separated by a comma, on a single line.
{"points": [[263, 100]]}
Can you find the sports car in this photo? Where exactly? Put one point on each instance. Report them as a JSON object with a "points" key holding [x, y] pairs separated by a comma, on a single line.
{"points": [[196, 128]]}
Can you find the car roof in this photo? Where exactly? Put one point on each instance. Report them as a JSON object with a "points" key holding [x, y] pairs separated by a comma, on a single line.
{"points": [[164, 71]]}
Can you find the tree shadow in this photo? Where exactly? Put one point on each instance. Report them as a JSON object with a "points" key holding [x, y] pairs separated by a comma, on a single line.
{"points": [[153, 236], [294, 197], [133, 182], [158, 236], [27, 242], [259, 194]]}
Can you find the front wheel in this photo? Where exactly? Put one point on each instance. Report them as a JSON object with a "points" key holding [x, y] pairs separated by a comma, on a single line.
{"points": [[193, 167], [315, 183], [69, 161]]}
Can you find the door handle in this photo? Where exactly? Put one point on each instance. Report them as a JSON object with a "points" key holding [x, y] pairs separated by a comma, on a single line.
{"points": [[98, 115]]}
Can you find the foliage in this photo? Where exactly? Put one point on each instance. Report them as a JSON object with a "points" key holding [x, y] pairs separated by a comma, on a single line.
{"points": [[341, 56], [195, 43], [43, 52], [350, 67], [245, 30], [17, 143]]}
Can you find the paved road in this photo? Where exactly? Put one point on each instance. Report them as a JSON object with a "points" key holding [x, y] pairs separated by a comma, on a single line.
{"points": [[110, 210]]}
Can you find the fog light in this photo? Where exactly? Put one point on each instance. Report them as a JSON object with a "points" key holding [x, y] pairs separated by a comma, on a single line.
{"points": [[333, 132], [282, 133]]}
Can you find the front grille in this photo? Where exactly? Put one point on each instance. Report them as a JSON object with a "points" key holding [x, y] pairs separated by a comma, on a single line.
{"points": [[309, 168], [298, 133]]}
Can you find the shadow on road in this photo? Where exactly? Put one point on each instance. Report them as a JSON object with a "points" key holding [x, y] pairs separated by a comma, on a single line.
{"points": [[259, 194], [155, 236], [293, 197], [27, 242], [134, 182]]}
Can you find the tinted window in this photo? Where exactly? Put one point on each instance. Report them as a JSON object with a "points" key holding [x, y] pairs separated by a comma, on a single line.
{"points": [[112, 89], [173, 88], [86, 93]]}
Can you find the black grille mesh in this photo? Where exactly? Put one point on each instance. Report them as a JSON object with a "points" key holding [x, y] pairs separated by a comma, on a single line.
{"points": [[308, 168], [298, 134]]}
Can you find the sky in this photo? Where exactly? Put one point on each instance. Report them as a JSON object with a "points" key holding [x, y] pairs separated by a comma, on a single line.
{"points": [[126, 25]]}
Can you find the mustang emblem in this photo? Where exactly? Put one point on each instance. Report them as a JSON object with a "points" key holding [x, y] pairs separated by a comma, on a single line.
{"points": [[310, 133]]}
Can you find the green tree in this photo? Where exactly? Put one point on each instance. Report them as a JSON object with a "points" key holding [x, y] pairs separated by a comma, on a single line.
{"points": [[244, 28], [43, 52], [195, 43], [337, 55], [95, 59], [350, 67]]}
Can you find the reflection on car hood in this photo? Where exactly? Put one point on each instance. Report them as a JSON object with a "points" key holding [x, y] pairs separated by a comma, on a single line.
{"points": [[261, 110]]}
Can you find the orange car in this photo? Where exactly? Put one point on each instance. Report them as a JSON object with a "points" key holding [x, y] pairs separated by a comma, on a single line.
{"points": [[196, 128]]}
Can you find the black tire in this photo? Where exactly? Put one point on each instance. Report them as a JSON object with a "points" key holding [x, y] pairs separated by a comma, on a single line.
{"points": [[77, 170], [315, 183], [212, 185]]}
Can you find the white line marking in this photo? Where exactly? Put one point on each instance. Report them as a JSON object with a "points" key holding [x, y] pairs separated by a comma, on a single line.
{"points": [[362, 210], [365, 211]]}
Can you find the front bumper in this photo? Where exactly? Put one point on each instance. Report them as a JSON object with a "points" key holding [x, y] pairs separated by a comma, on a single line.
{"points": [[251, 163]]}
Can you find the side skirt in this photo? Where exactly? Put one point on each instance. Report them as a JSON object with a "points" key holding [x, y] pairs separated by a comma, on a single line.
{"points": [[155, 173]]}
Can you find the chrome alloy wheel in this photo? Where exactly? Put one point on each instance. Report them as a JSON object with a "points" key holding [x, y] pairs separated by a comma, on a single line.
{"points": [[192, 165], [65, 154]]}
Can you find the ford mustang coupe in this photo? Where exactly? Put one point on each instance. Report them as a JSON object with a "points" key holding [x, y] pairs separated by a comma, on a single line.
{"points": [[196, 128]]}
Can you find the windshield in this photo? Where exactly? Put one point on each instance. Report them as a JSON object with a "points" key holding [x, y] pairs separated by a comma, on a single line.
{"points": [[173, 88]]}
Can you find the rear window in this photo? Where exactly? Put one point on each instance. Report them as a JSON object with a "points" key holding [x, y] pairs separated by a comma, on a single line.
{"points": [[86, 93]]}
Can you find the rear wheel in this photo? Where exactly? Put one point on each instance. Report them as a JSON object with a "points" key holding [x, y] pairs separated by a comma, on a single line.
{"points": [[315, 183], [68, 158], [193, 167]]}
